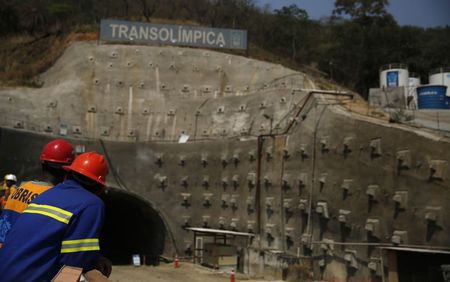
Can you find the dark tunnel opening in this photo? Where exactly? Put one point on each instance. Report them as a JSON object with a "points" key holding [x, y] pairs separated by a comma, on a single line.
{"points": [[131, 227]]}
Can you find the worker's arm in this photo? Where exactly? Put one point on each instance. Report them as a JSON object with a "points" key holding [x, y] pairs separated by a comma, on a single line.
{"points": [[80, 245], [103, 265]]}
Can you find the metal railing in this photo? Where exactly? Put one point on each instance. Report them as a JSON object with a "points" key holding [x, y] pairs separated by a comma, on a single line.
{"points": [[394, 66], [439, 70]]}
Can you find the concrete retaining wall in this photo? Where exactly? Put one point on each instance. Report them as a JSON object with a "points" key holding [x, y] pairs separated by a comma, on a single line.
{"points": [[334, 188]]}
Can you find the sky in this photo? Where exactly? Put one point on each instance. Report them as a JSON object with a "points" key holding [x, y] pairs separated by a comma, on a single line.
{"points": [[423, 13]]}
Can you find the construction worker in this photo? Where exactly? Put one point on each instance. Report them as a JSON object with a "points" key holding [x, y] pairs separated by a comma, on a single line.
{"points": [[54, 156], [59, 227], [3, 188], [8, 188]]}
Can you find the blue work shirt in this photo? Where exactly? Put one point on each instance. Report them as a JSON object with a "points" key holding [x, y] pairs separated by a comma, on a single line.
{"points": [[18, 202], [59, 227]]}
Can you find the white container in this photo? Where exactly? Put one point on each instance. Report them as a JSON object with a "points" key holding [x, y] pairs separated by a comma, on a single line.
{"points": [[394, 75], [440, 76], [411, 95], [414, 81]]}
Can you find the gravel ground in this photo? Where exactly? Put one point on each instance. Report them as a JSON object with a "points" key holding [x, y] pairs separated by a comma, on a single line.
{"points": [[187, 272]]}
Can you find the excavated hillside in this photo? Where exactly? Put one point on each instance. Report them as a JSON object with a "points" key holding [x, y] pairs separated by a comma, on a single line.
{"points": [[201, 139]]}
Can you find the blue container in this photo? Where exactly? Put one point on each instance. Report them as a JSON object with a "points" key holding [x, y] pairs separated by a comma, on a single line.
{"points": [[432, 97]]}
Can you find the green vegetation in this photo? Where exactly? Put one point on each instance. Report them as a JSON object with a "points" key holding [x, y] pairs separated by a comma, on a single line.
{"points": [[347, 47]]}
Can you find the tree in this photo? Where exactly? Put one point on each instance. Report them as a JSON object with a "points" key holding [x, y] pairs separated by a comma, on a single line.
{"points": [[34, 17], [291, 21], [148, 9], [361, 8], [59, 14], [8, 18], [373, 31]]}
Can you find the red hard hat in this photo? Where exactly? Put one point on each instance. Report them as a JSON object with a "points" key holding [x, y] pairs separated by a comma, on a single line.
{"points": [[58, 151], [91, 165]]}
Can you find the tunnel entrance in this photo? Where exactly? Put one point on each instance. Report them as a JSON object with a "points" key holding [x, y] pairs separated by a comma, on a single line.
{"points": [[131, 226], [418, 266]]}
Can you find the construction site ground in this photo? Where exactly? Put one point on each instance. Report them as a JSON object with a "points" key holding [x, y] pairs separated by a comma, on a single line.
{"points": [[187, 272]]}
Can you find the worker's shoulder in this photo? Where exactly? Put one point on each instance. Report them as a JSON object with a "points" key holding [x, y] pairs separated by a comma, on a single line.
{"points": [[72, 194], [34, 183]]}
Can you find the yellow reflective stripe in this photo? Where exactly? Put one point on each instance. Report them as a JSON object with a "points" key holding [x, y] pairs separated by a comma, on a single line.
{"points": [[80, 249], [80, 245], [50, 211], [56, 209], [67, 242], [61, 219]]}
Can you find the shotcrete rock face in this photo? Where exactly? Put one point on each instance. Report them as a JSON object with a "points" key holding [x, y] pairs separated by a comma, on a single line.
{"points": [[260, 157]]}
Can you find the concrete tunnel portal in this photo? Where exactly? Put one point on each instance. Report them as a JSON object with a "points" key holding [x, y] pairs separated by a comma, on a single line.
{"points": [[327, 178], [132, 226]]}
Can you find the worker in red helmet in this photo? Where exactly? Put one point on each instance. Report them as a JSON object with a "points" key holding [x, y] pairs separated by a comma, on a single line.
{"points": [[54, 156], [65, 223]]}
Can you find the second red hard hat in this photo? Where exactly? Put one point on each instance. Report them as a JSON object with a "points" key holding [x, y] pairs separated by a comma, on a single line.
{"points": [[58, 151]]}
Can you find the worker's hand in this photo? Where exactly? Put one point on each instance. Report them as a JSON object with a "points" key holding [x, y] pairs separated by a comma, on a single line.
{"points": [[103, 265]]}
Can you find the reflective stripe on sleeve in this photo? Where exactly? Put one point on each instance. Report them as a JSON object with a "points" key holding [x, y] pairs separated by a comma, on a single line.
{"points": [[80, 245], [50, 211]]}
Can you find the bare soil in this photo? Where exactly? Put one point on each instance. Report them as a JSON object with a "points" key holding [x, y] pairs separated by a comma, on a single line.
{"points": [[24, 58], [187, 272]]}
